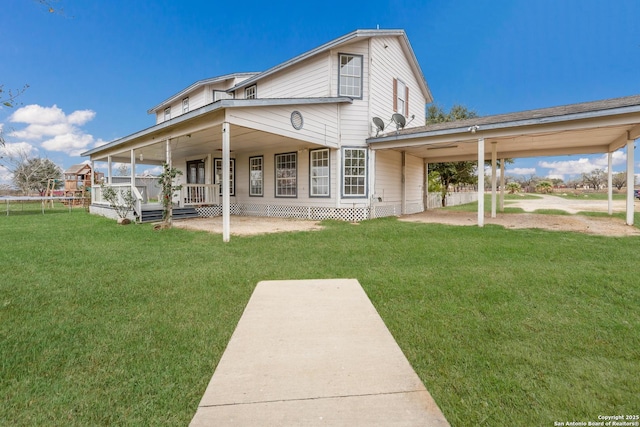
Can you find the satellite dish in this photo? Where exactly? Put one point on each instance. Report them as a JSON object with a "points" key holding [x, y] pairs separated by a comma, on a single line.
{"points": [[379, 123], [399, 120]]}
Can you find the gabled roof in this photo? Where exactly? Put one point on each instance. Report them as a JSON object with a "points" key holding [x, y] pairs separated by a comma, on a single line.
{"points": [[198, 84], [215, 106], [74, 169], [347, 38]]}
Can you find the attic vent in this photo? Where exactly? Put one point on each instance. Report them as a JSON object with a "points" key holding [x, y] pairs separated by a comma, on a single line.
{"points": [[296, 120]]}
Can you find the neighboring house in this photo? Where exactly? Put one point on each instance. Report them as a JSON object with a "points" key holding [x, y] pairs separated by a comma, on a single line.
{"points": [[296, 135]]}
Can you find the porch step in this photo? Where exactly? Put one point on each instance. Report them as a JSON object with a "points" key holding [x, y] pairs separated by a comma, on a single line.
{"points": [[154, 215]]}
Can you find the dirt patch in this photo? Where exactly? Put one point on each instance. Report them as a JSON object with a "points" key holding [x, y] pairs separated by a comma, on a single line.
{"points": [[576, 223], [246, 225]]}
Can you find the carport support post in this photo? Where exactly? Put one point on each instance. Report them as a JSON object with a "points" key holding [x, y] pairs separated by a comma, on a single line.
{"points": [[610, 182], [494, 184], [631, 181], [226, 164], [480, 182]]}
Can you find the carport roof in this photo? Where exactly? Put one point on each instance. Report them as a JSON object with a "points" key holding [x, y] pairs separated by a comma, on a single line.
{"points": [[589, 127]]}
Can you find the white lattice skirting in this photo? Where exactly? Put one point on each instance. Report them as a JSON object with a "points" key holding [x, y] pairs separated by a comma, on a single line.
{"points": [[313, 213]]}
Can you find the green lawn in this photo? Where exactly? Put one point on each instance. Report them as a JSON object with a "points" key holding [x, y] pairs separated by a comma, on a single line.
{"points": [[121, 325]]}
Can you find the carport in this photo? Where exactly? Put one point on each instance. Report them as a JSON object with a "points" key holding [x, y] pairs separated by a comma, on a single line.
{"points": [[586, 128]]}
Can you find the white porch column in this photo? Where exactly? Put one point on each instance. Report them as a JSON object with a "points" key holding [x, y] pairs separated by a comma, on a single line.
{"points": [[631, 181], [109, 170], [226, 199], [610, 182], [133, 168], [480, 182], [502, 179], [494, 180]]}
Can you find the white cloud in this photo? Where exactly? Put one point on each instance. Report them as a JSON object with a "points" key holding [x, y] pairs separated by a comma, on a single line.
{"points": [[37, 115], [522, 171], [55, 130], [73, 144], [563, 169], [11, 149]]}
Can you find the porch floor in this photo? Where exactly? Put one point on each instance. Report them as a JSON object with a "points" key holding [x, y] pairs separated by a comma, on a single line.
{"points": [[314, 352]]}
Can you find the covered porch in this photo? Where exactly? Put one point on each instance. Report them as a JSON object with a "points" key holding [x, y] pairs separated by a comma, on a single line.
{"points": [[225, 151], [586, 128]]}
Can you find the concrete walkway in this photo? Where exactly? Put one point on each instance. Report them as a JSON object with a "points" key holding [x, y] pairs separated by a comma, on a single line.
{"points": [[314, 353]]}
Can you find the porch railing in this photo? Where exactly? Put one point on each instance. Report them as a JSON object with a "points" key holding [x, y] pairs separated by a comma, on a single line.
{"points": [[200, 194], [96, 193]]}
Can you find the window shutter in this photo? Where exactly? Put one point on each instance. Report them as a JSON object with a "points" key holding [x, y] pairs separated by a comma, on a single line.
{"points": [[395, 95], [406, 101]]}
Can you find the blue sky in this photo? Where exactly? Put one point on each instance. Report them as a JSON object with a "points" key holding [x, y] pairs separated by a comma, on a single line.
{"points": [[95, 69]]}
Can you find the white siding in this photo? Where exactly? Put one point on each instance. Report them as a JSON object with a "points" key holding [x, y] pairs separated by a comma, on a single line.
{"points": [[269, 197], [388, 180], [320, 121], [306, 80], [414, 179], [354, 128], [388, 63]]}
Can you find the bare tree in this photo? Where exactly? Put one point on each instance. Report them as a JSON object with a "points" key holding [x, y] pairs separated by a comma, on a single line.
{"points": [[619, 180], [595, 179], [31, 173]]}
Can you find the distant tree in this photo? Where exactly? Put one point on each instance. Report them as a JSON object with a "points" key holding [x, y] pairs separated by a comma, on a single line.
{"points": [[544, 187], [557, 182], [513, 187], [574, 183], [528, 182], [451, 173], [31, 173], [123, 170], [8, 99], [619, 180], [595, 179]]}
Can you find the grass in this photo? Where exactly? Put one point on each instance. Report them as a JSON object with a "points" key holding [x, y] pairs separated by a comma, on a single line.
{"points": [[103, 324], [570, 194]]}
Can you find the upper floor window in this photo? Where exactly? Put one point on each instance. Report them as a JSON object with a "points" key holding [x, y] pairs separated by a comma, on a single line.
{"points": [[350, 76], [251, 92], [400, 97], [167, 113], [185, 105]]}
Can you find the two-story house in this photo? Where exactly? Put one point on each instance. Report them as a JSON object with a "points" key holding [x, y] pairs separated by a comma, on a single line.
{"points": [[295, 135]]}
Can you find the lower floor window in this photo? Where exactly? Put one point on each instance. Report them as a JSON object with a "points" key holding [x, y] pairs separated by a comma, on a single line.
{"points": [[255, 176], [319, 172], [286, 175], [217, 175], [354, 172]]}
